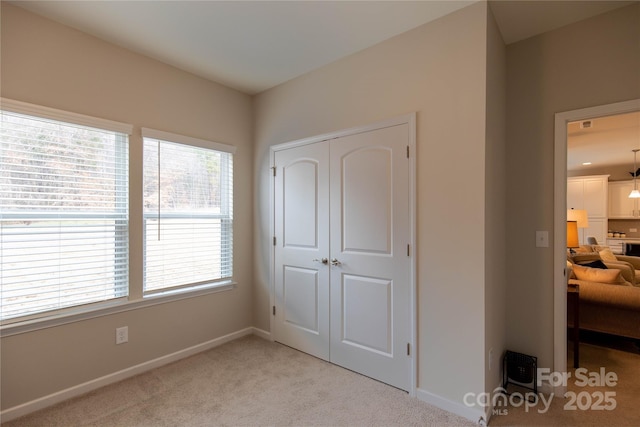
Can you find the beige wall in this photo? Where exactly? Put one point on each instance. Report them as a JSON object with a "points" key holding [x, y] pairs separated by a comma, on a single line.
{"points": [[593, 62], [52, 65], [495, 207], [439, 71]]}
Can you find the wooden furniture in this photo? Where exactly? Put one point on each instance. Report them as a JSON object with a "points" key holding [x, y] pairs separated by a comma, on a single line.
{"points": [[573, 320]]}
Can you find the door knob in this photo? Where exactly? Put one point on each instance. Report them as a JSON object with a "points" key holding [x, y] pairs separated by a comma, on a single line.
{"points": [[323, 260], [335, 262]]}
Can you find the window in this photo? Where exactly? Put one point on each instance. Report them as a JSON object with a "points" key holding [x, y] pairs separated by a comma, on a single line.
{"points": [[64, 215], [188, 212], [64, 210]]}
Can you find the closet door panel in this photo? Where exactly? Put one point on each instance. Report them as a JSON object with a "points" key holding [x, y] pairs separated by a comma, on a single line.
{"points": [[370, 271], [302, 242]]}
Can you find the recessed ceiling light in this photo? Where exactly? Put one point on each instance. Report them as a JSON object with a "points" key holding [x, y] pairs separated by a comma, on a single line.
{"points": [[586, 163]]}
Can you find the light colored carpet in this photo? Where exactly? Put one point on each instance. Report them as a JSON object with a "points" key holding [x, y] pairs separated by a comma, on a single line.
{"points": [[247, 382]]}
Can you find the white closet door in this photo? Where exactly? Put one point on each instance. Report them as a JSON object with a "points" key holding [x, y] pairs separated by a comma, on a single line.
{"points": [[342, 267], [302, 241], [370, 272]]}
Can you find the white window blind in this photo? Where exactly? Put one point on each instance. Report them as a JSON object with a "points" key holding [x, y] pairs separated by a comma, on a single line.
{"points": [[63, 214], [188, 213]]}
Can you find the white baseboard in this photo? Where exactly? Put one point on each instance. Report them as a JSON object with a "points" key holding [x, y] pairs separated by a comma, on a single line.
{"points": [[62, 395], [262, 334], [475, 415], [489, 409]]}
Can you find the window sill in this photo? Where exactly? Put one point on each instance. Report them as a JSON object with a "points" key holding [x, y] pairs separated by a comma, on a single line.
{"points": [[108, 308]]}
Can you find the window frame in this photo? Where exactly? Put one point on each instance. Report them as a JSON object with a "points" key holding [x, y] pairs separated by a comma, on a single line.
{"points": [[135, 299], [122, 132], [172, 138]]}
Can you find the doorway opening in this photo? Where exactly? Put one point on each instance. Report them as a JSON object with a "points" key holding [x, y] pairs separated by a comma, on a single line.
{"points": [[562, 121]]}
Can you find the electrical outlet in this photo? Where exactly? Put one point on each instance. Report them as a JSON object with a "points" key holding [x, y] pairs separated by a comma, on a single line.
{"points": [[122, 335], [633, 230], [490, 358]]}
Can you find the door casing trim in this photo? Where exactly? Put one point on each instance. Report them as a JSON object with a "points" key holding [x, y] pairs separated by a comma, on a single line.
{"points": [[559, 225]]}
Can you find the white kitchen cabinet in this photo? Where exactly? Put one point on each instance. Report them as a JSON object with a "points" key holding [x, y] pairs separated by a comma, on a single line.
{"points": [[591, 194], [620, 205], [616, 246]]}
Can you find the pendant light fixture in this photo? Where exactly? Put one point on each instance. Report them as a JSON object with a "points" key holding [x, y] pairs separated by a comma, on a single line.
{"points": [[635, 194]]}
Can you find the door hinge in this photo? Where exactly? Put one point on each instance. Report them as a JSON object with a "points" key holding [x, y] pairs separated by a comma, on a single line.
{"points": [[274, 170], [274, 240], [407, 151], [408, 349], [274, 310], [408, 250]]}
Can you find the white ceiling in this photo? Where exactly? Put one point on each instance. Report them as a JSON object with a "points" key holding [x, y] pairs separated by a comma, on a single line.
{"points": [[254, 45], [607, 143]]}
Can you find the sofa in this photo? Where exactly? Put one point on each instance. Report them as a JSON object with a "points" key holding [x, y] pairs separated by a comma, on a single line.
{"points": [[609, 291]]}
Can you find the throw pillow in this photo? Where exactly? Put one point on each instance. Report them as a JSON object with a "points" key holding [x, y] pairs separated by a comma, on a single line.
{"points": [[570, 274], [611, 276], [607, 255], [594, 264]]}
